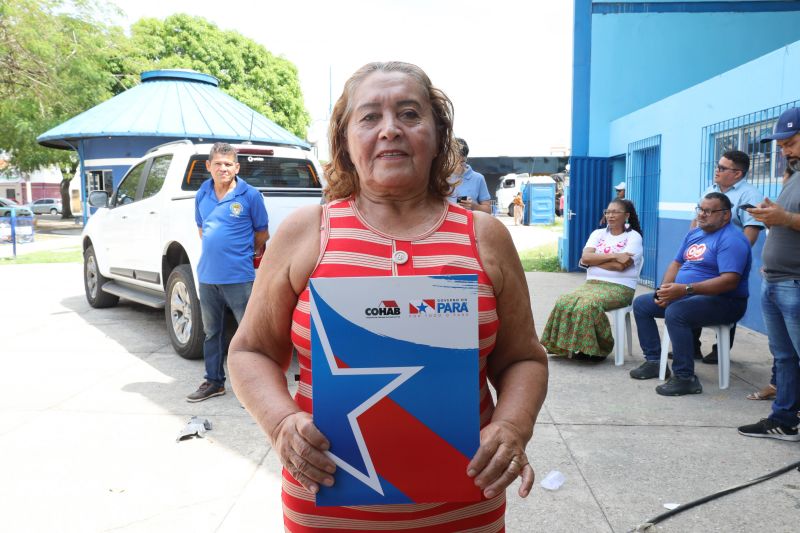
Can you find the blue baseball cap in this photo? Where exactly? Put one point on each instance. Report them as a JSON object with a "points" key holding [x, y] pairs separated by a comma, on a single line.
{"points": [[787, 126]]}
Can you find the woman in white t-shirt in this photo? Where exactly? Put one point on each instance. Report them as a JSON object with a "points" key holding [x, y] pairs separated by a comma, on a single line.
{"points": [[578, 326]]}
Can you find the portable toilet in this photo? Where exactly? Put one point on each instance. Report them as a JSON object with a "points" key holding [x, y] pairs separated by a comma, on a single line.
{"points": [[539, 195]]}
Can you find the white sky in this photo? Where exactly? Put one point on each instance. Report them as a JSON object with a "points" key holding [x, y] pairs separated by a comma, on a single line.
{"points": [[505, 64]]}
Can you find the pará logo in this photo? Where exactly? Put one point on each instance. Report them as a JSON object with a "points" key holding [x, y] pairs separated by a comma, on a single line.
{"points": [[236, 209]]}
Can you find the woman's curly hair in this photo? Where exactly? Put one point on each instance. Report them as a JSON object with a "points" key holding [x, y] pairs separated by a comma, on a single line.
{"points": [[633, 217], [340, 173]]}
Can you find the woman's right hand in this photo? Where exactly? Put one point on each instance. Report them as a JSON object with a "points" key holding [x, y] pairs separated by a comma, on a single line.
{"points": [[301, 448]]}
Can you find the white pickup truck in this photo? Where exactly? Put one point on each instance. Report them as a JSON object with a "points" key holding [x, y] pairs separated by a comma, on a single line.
{"points": [[142, 243]]}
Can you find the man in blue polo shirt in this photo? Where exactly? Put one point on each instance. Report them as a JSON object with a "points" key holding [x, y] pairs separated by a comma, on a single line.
{"points": [[471, 192], [706, 284], [233, 225]]}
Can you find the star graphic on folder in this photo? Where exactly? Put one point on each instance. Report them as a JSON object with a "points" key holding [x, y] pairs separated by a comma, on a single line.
{"points": [[375, 382]]}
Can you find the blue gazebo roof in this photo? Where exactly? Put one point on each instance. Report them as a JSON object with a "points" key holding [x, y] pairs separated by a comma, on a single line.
{"points": [[171, 103]]}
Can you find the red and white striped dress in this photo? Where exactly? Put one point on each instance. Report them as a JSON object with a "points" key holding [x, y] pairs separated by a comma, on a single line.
{"points": [[351, 247]]}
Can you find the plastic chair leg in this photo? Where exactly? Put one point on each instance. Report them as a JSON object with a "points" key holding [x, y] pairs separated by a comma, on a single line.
{"points": [[662, 370]]}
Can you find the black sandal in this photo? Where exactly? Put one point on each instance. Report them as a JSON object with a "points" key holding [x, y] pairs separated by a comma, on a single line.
{"points": [[580, 356]]}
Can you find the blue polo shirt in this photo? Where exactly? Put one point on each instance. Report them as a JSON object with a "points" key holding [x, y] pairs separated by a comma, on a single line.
{"points": [[228, 232], [473, 185], [707, 255], [741, 193]]}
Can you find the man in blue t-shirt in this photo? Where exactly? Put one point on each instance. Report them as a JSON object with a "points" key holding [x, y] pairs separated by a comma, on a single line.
{"points": [[471, 192], [233, 225], [705, 285]]}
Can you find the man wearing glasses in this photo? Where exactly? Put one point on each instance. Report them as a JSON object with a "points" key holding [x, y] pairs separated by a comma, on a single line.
{"points": [[705, 285], [729, 179]]}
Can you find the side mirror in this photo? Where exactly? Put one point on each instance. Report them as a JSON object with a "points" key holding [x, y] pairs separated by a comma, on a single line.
{"points": [[98, 199]]}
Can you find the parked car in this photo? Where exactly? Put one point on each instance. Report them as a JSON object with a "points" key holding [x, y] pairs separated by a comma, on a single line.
{"points": [[44, 206], [142, 242], [6, 204]]}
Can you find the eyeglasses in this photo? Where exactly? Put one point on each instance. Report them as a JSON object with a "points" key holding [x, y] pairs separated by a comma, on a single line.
{"points": [[700, 211], [610, 212], [720, 168]]}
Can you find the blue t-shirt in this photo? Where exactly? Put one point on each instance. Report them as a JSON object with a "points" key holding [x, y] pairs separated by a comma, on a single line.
{"points": [[707, 255], [228, 232], [473, 185]]}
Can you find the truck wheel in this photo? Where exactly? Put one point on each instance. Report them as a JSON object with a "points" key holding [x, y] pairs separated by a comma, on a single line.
{"points": [[93, 282], [511, 210], [182, 313]]}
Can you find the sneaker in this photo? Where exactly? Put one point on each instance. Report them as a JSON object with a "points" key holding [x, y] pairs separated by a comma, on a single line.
{"points": [[770, 429], [711, 358], [680, 386], [647, 370], [205, 391]]}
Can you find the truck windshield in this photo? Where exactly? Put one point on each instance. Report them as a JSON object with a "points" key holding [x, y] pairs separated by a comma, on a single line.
{"points": [[262, 172]]}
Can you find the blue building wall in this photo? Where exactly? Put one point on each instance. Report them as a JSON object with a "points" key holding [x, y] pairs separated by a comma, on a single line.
{"points": [[767, 81], [638, 59], [629, 54]]}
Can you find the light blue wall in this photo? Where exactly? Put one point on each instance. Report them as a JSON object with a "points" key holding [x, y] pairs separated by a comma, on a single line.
{"points": [[640, 58], [768, 81]]}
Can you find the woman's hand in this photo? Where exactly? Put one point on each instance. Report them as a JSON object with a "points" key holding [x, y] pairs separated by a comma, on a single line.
{"points": [[500, 459], [301, 448]]}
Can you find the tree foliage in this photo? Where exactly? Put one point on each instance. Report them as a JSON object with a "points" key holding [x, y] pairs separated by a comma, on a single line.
{"points": [[53, 66], [59, 58], [246, 70]]}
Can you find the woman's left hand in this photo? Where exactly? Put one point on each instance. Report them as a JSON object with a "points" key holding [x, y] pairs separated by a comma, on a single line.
{"points": [[500, 459]]}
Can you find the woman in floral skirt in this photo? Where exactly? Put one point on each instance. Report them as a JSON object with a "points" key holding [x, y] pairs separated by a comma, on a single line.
{"points": [[578, 326]]}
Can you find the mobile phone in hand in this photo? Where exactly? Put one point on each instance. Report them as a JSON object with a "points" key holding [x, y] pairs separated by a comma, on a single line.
{"points": [[746, 206]]}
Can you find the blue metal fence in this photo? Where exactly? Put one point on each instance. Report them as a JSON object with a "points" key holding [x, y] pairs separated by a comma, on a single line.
{"points": [[643, 176], [744, 133]]}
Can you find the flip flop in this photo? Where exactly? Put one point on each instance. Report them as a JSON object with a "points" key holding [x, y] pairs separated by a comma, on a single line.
{"points": [[767, 393]]}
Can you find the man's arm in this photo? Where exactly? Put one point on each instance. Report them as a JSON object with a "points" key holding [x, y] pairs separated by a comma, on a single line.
{"points": [[200, 232], [259, 240], [485, 206], [751, 232]]}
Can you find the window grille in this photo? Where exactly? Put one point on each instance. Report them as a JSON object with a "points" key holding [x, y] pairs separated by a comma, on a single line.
{"points": [[745, 133]]}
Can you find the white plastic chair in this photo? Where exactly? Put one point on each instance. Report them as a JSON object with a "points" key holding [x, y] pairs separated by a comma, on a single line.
{"points": [[621, 328], [623, 336], [723, 332]]}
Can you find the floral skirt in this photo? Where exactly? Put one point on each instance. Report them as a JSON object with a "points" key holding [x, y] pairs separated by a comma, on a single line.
{"points": [[578, 322]]}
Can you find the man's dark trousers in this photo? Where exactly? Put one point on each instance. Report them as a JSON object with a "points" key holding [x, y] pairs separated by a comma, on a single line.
{"points": [[681, 317]]}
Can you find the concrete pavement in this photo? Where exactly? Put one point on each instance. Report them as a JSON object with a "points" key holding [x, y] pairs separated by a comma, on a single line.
{"points": [[95, 399]]}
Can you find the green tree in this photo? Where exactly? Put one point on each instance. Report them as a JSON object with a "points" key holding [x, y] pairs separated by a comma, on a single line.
{"points": [[53, 65], [246, 70]]}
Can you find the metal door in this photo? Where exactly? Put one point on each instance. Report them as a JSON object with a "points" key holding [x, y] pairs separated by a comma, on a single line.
{"points": [[587, 196]]}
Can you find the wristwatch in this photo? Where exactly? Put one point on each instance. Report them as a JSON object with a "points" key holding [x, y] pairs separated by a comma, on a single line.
{"points": [[689, 289]]}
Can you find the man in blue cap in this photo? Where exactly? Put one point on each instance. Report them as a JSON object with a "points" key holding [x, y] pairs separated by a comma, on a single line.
{"points": [[780, 289]]}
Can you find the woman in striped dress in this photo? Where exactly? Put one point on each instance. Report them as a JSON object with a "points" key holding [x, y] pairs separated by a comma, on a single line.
{"points": [[387, 215]]}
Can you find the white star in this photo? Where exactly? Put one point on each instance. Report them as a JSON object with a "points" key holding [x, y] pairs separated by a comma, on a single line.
{"points": [[404, 373]]}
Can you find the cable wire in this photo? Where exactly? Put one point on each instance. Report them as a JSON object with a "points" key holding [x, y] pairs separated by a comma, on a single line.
{"points": [[663, 516]]}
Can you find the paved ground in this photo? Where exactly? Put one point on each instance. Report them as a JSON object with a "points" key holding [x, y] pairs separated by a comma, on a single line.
{"points": [[94, 401]]}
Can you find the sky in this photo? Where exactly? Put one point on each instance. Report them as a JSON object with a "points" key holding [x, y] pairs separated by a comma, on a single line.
{"points": [[505, 64]]}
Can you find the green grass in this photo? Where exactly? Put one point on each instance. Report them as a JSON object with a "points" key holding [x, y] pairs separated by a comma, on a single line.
{"points": [[66, 255], [540, 259]]}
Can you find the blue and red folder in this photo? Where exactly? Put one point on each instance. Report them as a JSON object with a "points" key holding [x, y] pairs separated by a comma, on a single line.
{"points": [[395, 386]]}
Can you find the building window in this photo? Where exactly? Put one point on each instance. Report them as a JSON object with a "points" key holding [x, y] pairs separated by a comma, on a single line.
{"points": [[745, 133]]}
